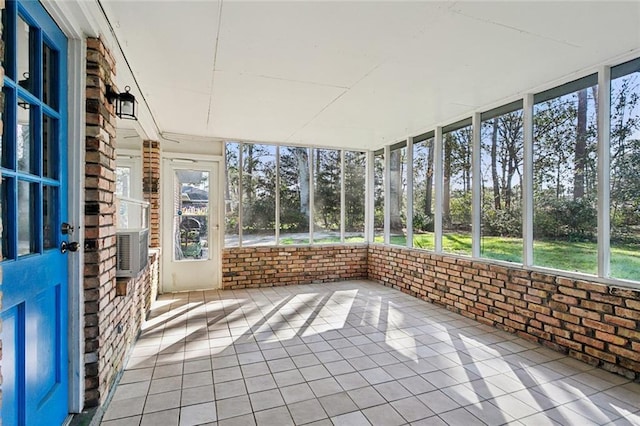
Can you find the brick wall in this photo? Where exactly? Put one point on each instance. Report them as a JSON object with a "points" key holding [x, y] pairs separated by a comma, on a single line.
{"points": [[100, 216], [595, 323], [151, 187], [268, 266], [114, 309]]}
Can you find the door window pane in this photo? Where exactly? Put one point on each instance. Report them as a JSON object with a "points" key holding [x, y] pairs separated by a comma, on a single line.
{"points": [[232, 195], [326, 173], [49, 66], [354, 196], [294, 195], [423, 194], [258, 194], [49, 147], [625, 172], [49, 219], [27, 229], [398, 196], [5, 206], [501, 188], [5, 150], [564, 181], [456, 206], [24, 37], [378, 197], [26, 139], [191, 219]]}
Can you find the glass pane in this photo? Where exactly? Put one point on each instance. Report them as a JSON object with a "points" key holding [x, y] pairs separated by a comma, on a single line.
{"points": [[25, 146], [27, 234], [49, 59], [49, 147], [49, 219], [123, 181], [398, 196], [4, 147], [3, 19], [423, 195], [456, 205], [294, 195], [564, 182], [354, 197], [378, 197], [501, 176], [4, 210], [625, 176], [192, 215], [24, 40], [326, 196], [232, 195], [258, 195]]}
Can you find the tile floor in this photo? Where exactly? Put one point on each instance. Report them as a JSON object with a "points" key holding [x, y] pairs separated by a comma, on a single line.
{"points": [[350, 353]]}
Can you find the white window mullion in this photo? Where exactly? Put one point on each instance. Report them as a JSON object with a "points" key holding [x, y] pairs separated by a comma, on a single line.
{"points": [[604, 170], [277, 212], [343, 198], [311, 194], [438, 183], [527, 190], [369, 205], [409, 169], [476, 186], [387, 193], [240, 169]]}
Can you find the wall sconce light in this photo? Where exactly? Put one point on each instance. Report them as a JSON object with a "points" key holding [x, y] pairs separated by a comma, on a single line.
{"points": [[125, 103]]}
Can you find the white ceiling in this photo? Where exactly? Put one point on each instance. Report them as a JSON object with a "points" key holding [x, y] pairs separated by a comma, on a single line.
{"points": [[356, 74]]}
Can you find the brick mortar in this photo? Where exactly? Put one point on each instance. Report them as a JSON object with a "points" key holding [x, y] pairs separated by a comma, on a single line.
{"points": [[271, 266], [592, 322]]}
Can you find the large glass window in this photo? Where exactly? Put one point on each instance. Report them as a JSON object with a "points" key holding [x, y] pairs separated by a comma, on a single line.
{"points": [[326, 196], [232, 195], [258, 194], [294, 195], [501, 188], [398, 195], [564, 177], [456, 204], [625, 171], [354, 195], [378, 196], [423, 193]]}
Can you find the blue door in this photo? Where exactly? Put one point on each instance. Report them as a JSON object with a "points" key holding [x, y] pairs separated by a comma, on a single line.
{"points": [[33, 203]]}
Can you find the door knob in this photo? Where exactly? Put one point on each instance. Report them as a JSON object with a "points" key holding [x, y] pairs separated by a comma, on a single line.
{"points": [[72, 246]]}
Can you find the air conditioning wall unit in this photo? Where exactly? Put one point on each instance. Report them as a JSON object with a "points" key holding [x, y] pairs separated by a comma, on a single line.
{"points": [[132, 251]]}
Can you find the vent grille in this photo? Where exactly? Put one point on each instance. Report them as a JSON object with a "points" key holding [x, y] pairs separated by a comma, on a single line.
{"points": [[124, 252]]}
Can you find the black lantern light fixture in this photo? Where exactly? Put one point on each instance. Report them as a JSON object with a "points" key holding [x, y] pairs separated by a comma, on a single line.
{"points": [[125, 103]]}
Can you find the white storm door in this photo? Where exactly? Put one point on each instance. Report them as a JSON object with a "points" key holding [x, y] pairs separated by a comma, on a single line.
{"points": [[190, 225]]}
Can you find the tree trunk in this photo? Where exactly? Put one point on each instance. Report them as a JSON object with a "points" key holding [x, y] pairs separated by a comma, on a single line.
{"points": [[428, 210], [446, 196], [302, 161], [395, 193], [581, 146], [494, 166]]}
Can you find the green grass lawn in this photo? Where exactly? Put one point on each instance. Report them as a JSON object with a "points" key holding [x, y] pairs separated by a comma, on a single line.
{"points": [[563, 255]]}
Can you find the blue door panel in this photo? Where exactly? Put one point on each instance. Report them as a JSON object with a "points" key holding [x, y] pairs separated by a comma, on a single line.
{"points": [[12, 389], [34, 286]]}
